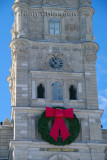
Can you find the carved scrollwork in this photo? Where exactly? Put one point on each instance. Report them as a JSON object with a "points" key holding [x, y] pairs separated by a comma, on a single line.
{"points": [[90, 47], [90, 57], [66, 67], [19, 48], [11, 80]]}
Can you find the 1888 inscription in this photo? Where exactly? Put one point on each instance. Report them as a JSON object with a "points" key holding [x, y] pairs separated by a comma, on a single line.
{"points": [[59, 149]]}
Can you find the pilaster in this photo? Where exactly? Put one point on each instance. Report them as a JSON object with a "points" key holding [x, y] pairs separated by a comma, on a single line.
{"points": [[86, 14]]}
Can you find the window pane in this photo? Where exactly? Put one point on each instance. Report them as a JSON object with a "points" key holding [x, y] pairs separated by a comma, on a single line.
{"points": [[57, 91], [54, 26], [57, 25], [51, 25], [56, 31], [51, 31], [54, 20]]}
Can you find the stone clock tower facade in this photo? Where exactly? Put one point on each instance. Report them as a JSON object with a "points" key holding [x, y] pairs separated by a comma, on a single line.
{"points": [[53, 64]]}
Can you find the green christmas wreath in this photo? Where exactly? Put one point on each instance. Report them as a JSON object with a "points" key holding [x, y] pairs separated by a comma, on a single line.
{"points": [[44, 130]]}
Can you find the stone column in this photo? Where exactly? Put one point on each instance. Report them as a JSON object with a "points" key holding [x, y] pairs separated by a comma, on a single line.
{"points": [[95, 128], [65, 91], [20, 14], [86, 23], [49, 90], [62, 29], [85, 129], [80, 91], [90, 75], [33, 130], [21, 20], [34, 95], [22, 75]]}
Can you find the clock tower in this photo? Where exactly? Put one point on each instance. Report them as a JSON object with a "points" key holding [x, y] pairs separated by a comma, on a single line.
{"points": [[53, 64]]}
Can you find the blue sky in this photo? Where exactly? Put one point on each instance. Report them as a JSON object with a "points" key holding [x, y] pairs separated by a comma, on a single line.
{"points": [[100, 32]]}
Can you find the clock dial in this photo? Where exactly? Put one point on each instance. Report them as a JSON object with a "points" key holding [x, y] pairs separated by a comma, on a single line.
{"points": [[56, 63]]}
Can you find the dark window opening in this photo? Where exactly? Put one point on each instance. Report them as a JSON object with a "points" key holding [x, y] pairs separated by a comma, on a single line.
{"points": [[41, 91], [73, 93]]}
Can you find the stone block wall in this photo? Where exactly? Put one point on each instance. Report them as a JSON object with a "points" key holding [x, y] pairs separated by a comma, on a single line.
{"points": [[32, 20], [6, 134], [104, 135], [25, 124]]}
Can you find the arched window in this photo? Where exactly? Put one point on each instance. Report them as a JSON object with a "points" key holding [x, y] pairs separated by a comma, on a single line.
{"points": [[57, 91], [54, 26], [40, 91], [72, 93]]}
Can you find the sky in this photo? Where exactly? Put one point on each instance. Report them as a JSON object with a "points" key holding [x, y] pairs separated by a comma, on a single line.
{"points": [[100, 32]]}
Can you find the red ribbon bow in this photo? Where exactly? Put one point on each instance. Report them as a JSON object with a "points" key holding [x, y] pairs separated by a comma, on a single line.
{"points": [[59, 124]]}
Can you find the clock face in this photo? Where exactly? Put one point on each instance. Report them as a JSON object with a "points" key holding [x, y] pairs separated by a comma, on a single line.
{"points": [[56, 63]]}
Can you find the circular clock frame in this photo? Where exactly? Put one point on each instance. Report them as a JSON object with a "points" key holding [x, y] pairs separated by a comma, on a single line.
{"points": [[55, 63]]}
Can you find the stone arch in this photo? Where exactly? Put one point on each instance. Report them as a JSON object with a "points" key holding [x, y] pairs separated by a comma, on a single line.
{"points": [[59, 157]]}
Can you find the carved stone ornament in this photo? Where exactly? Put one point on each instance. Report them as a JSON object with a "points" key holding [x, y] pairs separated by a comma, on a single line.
{"points": [[90, 47], [19, 48], [12, 89], [11, 80], [59, 157], [90, 57], [65, 66], [6, 122]]}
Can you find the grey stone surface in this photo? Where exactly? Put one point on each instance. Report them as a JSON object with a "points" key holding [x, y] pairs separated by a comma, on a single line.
{"points": [[32, 46], [104, 135], [6, 134]]}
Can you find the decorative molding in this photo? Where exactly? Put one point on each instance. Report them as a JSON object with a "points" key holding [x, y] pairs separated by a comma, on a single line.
{"points": [[11, 81], [59, 157], [19, 48], [57, 53], [33, 90], [90, 47], [90, 57], [54, 2]]}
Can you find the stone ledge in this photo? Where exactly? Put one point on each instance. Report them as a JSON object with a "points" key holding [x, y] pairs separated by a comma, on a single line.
{"points": [[45, 144], [48, 43], [26, 109]]}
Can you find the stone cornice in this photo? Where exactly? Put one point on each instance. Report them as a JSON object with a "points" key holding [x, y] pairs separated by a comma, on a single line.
{"points": [[81, 146], [86, 10], [20, 4], [77, 111], [90, 46], [46, 43], [82, 10], [85, 46]]}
